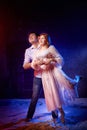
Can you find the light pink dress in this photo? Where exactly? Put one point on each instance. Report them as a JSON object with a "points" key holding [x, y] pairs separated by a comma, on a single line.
{"points": [[58, 87]]}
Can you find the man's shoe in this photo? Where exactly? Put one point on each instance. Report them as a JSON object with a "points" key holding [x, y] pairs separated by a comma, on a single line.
{"points": [[28, 119], [54, 114]]}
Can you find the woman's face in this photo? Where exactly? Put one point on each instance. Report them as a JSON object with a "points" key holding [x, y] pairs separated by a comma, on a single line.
{"points": [[42, 40]]}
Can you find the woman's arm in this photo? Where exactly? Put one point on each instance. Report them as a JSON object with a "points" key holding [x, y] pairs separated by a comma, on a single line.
{"points": [[56, 56]]}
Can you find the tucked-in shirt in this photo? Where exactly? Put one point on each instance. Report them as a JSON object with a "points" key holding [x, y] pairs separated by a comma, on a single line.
{"points": [[29, 56]]}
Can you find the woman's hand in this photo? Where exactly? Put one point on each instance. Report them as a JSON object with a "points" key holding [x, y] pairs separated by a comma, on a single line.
{"points": [[48, 60]]}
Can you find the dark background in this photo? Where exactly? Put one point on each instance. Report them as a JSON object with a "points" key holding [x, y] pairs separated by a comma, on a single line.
{"points": [[65, 21]]}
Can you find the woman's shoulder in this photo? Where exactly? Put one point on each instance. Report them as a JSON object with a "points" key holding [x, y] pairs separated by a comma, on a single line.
{"points": [[51, 47]]}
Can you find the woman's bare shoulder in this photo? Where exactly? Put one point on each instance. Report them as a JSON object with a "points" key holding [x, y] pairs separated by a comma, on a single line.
{"points": [[52, 47]]}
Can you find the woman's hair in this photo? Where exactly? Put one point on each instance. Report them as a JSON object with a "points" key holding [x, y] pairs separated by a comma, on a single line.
{"points": [[47, 37]]}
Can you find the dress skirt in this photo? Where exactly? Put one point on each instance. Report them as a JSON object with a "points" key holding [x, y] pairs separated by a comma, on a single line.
{"points": [[58, 88]]}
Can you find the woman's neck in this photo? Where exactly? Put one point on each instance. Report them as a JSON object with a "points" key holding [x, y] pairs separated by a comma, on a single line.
{"points": [[44, 47]]}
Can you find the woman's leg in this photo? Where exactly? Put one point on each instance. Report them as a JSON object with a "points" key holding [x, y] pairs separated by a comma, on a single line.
{"points": [[62, 115]]}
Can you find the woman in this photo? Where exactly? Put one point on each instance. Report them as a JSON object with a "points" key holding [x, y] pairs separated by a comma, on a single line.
{"points": [[58, 87]]}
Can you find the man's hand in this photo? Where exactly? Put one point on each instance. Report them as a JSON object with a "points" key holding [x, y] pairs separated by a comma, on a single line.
{"points": [[35, 64]]}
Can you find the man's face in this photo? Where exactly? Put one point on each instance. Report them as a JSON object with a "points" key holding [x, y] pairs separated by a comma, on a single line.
{"points": [[32, 38]]}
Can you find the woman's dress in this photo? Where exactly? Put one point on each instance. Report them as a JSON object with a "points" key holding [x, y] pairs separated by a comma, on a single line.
{"points": [[58, 87]]}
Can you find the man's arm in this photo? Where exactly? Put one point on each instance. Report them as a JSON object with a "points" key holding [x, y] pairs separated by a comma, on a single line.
{"points": [[27, 60], [27, 65]]}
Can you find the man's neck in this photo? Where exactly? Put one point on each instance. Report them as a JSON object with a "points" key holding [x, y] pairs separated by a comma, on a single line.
{"points": [[35, 45]]}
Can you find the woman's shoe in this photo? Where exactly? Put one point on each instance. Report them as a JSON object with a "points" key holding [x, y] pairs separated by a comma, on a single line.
{"points": [[62, 115], [62, 118], [78, 78]]}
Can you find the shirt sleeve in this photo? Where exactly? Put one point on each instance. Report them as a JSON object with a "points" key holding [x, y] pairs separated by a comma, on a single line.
{"points": [[27, 57]]}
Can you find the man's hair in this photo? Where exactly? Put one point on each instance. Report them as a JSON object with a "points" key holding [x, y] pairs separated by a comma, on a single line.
{"points": [[33, 33]]}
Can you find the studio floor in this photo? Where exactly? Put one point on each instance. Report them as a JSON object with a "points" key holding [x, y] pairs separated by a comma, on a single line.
{"points": [[13, 113]]}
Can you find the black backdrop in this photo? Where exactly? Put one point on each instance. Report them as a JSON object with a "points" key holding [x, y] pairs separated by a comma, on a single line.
{"points": [[66, 22]]}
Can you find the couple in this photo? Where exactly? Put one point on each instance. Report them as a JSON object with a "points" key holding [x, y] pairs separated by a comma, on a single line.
{"points": [[47, 64]]}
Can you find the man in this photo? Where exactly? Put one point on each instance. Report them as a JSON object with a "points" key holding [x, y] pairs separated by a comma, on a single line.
{"points": [[37, 82]]}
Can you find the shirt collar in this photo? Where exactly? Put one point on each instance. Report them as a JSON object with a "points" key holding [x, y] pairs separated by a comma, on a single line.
{"points": [[32, 47]]}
